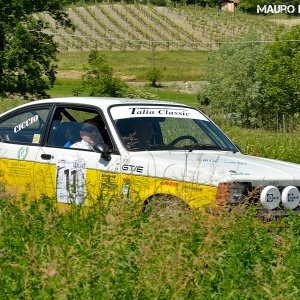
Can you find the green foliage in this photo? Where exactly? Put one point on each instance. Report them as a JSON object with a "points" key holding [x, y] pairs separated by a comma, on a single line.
{"points": [[234, 87], [257, 85], [251, 5], [203, 3], [154, 75], [98, 80], [279, 76], [265, 143], [27, 54], [159, 2], [119, 253]]}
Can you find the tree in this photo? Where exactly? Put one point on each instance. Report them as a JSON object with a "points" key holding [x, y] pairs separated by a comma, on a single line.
{"points": [[98, 80], [154, 76], [278, 73], [234, 86], [258, 85], [250, 6], [27, 53]]}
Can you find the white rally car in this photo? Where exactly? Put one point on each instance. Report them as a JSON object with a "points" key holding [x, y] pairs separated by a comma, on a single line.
{"points": [[146, 149]]}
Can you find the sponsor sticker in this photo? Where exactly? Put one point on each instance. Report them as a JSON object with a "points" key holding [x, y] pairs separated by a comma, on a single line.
{"points": [[221, 161], [23, 152], [132, 168], [125, 112], [36, 138], [26, 123]]}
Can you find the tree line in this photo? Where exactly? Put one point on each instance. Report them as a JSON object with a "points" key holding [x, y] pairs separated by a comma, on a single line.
{"points": [[249, 6]]}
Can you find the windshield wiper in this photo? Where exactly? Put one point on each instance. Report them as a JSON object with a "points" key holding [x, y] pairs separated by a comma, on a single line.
{"points": [[152, 147], [229, 149], [159, 147], [203, 147], [210, 147]]}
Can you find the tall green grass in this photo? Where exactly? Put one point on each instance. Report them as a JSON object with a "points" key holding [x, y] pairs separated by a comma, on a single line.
{"points": [[7, 104], [64, 87], [264, 143], [119, 253]]}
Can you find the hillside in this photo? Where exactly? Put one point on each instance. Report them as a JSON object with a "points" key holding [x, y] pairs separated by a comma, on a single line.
{"points": [[147, 27]]}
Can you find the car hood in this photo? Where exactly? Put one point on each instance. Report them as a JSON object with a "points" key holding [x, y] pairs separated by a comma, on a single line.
{"points": [[213, 167]]}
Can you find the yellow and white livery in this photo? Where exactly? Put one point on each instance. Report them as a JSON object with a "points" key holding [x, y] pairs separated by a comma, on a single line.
{"points": [[147, 148]]}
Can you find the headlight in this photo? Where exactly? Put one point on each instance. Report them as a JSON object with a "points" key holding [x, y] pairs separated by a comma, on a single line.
{"points": [[270, 197], [290, 197]]}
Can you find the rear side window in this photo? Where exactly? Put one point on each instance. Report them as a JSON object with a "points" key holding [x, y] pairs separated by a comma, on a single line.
{"points": [[26, 127]]}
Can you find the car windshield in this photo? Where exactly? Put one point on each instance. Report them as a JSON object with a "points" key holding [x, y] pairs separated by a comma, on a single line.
{"points": [[156, 127]]}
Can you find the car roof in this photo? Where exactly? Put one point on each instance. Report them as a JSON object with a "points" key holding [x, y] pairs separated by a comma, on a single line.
{"points": [[103, 102]]}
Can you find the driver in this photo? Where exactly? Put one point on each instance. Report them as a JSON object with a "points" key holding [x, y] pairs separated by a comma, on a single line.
{"points": [[90, 136], [141, 134]]}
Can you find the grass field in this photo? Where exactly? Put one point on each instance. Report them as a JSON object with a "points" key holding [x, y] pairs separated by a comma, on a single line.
{"points": [[133, 66], [175, 65], [119, 253]]}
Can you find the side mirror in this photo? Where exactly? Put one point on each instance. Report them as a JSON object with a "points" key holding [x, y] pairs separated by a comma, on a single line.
{"points": [[104, 150]]}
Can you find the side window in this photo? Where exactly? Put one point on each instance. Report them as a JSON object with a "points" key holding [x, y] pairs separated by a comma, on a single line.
{"points": [[26, 127], [77, 128]]}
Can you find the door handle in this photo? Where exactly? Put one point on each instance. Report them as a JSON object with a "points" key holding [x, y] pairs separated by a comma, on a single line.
{"points": [[46, 156]]}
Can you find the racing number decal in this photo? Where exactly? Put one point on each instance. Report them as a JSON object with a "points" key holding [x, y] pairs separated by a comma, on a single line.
{"points": [[71, 181]]}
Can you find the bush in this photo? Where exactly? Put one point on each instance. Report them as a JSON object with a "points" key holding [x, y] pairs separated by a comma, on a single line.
{"points": [[153, 76], [98, 80]]}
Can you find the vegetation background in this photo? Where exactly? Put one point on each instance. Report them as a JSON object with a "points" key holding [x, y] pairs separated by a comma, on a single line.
{"points": [[117, 252]]}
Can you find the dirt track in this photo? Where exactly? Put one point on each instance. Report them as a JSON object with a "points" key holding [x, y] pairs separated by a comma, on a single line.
{"points": [[190, 87]]}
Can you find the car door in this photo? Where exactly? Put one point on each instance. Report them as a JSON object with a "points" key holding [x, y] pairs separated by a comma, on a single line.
{"points": [[21, 135], [73, 175]]}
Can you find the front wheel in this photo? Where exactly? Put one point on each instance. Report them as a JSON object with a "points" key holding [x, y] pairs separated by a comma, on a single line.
{"points": [[166, 206]]}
